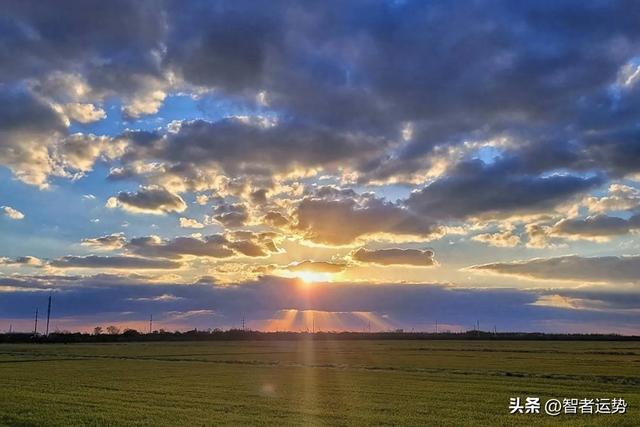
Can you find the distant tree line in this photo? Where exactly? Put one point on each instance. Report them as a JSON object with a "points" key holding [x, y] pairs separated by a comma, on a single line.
{"points": [[113, 334]]}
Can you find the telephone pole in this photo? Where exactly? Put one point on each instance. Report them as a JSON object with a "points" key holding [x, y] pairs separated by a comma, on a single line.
{"points": [[243, 323], [150, 323], [48, 316], [436, 326], [35, 326]]}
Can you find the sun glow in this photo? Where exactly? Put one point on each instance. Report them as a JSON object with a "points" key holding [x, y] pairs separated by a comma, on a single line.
{"points": [[313, 276], [319, 320]]}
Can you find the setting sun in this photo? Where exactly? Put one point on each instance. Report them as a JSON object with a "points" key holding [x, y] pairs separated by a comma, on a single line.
{"points": [[313, 276]]}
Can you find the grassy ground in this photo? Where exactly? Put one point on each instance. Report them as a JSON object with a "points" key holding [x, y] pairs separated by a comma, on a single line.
{"points": [[312, 383]]}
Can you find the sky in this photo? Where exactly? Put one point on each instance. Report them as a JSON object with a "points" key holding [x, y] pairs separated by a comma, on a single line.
{"points": [[360, 165]]}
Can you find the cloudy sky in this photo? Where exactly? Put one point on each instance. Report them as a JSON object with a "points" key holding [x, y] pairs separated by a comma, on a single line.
{"points": [[383, 164]]}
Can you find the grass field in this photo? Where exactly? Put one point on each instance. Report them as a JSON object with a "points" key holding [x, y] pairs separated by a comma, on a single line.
{"points": [[312, 383]]}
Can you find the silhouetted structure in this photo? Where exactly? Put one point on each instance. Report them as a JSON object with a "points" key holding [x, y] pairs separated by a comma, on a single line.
{"points": [[35, 326], [48, 315]]}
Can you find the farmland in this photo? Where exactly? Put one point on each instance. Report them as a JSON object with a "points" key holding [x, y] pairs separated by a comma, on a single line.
{"points": [[312, 382]]}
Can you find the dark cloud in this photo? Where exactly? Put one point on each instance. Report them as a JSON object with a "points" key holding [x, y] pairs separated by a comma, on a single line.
{"points": [[259, 196], [28, 261], [214, 246], [275, 219], [345, 78], [50, 40], [96, 298], [596, 226], [152, 199], [574, 268], [224, 45], [231, 215], [394, 256], [475, 188], [115, 262], [254, 146]]}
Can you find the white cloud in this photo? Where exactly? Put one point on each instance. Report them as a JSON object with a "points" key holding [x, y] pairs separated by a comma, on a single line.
{"points": [[190, 223], [12, 213], [84, 113]]}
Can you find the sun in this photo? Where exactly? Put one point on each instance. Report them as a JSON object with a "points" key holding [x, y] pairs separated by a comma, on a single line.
{"points": [[313, 276]]}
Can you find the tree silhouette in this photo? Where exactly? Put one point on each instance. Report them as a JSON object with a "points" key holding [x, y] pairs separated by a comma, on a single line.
{"points": [[113, 330]]}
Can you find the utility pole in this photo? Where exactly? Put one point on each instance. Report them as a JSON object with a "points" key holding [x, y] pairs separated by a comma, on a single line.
{"points": [[10, 328], [243, 323], [369, 326], [436, 326], [150, 323], [35, 326], [48, 315], [313, 325]]}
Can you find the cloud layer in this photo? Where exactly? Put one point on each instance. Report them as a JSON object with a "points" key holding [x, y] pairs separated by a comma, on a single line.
{"points": [[573, 268], [337, 138]]}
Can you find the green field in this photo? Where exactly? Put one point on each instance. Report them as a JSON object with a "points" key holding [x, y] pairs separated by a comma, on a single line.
{"points": [[312, 383]]}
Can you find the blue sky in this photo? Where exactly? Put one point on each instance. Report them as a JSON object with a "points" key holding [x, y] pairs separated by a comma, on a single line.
{"points": [[394, 162]]}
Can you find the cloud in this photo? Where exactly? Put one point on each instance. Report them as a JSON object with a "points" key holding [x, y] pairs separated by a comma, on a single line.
{"points": [[368, 82], [619, 198], [109, 242], [115, 299], [190, 223], [151, 200], [446, 114], [27, 130], [572, 268], [317, 267], [84, 113], [343, 221], [251, 146], [595, 227], [475, 188], [113, 262], [503, 239], [394, 256], [259, 196], [275, 219], [11, 213], [231, 215], [159, 298], [144, 104], [27, 261], [214, 246]]}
